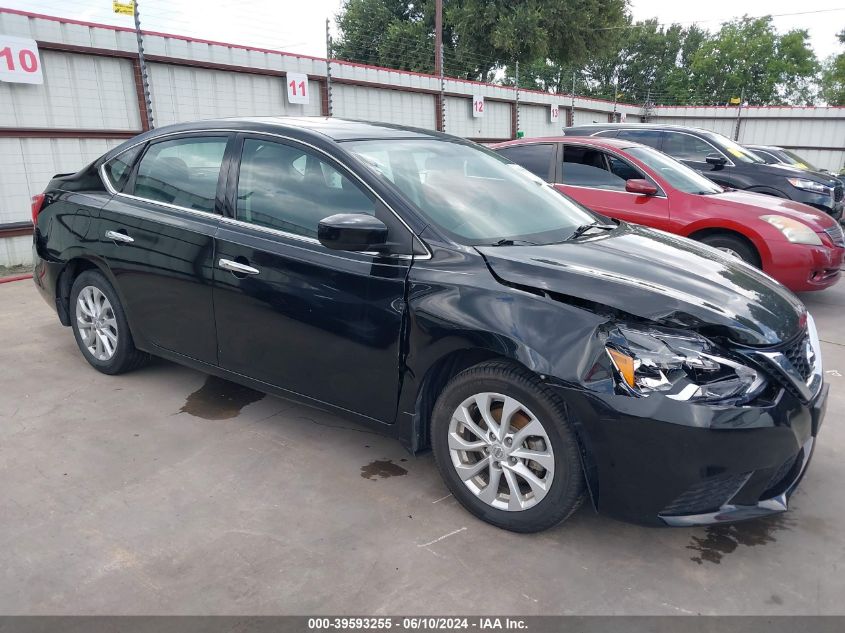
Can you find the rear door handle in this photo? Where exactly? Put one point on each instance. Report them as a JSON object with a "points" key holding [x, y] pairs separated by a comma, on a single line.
{"points": [[119, 237], [237, 267]]}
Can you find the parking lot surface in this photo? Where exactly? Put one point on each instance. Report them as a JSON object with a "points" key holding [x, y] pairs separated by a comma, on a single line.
{"points": [[165, 491]]}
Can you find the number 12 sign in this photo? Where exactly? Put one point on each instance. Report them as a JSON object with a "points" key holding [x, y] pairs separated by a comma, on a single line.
{"points": [[19, 60], [297, 88], [477, 106]]}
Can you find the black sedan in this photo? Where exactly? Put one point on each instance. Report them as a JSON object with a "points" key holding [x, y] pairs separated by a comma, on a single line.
{"points": [[425, 286], [727, 163]]}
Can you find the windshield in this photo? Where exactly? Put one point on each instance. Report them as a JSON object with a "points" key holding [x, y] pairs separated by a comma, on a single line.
{"points": [[674, 172], [798, 161], [473, 194], [735, 151]]}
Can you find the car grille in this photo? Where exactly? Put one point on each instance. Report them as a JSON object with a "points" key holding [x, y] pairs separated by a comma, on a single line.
{"points": [[837, 193], [800, 355], [706, 496], [836, 235]]}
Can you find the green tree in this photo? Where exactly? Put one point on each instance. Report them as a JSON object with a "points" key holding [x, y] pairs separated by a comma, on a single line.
{"points": [[748, 57], [479, 36], [832, 79]]}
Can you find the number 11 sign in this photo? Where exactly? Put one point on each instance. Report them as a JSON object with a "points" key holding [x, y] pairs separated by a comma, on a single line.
{"points": [[297, 88], [19, 60]]}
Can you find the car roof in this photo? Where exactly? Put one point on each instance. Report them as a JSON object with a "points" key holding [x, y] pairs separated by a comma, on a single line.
{"points": [[331, 127], [638, 126], [596, 141], [772, 147]]}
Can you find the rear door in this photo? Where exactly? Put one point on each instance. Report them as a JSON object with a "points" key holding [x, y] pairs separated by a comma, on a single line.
{"points": [[157, 234], [597, 178], [291, 313]]}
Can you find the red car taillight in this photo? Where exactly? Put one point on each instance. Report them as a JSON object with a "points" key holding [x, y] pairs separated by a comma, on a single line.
{"points": [[37, 203]]}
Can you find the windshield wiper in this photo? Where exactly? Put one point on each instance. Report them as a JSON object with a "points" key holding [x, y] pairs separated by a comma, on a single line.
{"points": [[508, 242], [584, 228]]}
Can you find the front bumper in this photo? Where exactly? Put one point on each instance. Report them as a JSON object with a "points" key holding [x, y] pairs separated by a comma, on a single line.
{"points": [[802, 268], [658, 461]]}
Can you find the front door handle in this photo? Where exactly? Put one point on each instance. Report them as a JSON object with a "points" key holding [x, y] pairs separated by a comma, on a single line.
{"points": [[116, 236], [237, 267]]}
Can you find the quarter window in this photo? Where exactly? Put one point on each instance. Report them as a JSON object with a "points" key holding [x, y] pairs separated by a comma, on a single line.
{"points": [[535, 158], [182, 172], [651, 138], [290, 189], [687, 147], [118, 168]]}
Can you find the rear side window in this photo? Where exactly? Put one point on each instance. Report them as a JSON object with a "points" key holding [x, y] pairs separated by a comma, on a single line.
{"points": [[182, 172], [287, 188], [651, 138], [537, 159], [686, 147], [118, 168]]}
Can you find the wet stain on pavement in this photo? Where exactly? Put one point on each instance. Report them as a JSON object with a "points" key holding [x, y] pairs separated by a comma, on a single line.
{"points": [[382, 469], [219, 399], [720, 540]]}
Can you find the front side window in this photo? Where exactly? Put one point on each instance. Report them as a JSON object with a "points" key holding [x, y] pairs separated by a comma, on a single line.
{"points": [[118, 168], [674, 172], [770, 159], [535, 158], [687, 147], [182, 172], [734, 150], [475, 195], [287, 188], [589, 167]]}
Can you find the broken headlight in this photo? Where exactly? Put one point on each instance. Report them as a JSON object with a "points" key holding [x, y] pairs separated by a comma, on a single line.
{"points": [[679, 365]]}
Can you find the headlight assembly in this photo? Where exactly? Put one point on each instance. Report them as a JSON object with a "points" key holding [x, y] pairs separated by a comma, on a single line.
{"points": [[680, 366], [793, 230], [810, 185]]}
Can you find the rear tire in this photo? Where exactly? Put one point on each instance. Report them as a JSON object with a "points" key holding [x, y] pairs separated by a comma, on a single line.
{"points": [[100, 327], [529, 451], [733, 245]]}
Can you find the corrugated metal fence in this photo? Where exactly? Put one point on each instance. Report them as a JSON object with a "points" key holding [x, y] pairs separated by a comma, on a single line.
{"points": [[92, 100]]}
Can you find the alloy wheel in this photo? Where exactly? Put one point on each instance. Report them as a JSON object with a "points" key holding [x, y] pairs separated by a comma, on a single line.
{"points": [[96, 322], [501, 451]]}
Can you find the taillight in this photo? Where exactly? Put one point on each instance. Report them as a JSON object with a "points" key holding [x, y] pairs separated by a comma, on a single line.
{"points": [[37, 203]]}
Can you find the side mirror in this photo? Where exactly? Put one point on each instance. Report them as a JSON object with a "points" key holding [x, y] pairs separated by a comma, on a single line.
{"points": [[717, 160], [640, 186], [352, 232]]}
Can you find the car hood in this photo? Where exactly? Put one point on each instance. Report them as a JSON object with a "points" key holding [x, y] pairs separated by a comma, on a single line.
{"points": [[660, 277], [762, 204], [787, 171]]}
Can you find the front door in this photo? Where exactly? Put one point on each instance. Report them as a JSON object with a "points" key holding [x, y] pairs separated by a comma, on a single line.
{"points": [[597, 178], [157, 234], [291, 313]]}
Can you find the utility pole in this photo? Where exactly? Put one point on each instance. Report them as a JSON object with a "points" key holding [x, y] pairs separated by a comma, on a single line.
{"points": [[517, 100], [328, 70], [615, 96], [442, 96], [438, 37], [145, 84], [738, 114], [572, 106]]}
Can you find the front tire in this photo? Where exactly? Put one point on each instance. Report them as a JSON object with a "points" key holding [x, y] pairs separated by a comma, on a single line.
{"points": [[100, 327], [732, 245], [506, 448]]}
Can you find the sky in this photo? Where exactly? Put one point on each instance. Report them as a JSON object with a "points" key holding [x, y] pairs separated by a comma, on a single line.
{"points": [[298, 26]]}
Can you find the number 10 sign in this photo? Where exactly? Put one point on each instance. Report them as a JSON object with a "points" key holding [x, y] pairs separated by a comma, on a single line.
{"points": [[297, 88], [19, 60]]}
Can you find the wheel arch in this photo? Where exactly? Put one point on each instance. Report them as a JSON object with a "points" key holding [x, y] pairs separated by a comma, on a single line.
{"points": [[72, 269], [452, 364], [754, 242]]}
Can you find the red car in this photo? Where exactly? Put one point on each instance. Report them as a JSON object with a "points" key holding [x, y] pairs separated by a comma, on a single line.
{"points": [[797, 245]]}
